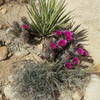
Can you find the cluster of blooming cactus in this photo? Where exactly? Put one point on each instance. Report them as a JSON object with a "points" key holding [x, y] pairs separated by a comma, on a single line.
{"points": [[64, 40]]}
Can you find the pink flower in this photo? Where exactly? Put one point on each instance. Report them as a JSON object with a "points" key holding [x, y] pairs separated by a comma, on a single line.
{"points": [[53, 46], [68, 65], [25, 26], [58, 32], [80, 51], [85, 53], [68, 35], [75, 61], [62, 43]]}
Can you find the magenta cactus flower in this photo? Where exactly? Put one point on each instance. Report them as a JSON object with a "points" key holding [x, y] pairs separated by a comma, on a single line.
{"points": [[58, 32], [53, 46], [68, 65], [82, 52], [25, 27], [62, 43], [85, 53], [68, 35], [75, 61]]}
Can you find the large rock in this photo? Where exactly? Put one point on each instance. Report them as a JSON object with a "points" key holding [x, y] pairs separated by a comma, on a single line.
{"points": [[3, 53], [77, 96], [93, 89]]}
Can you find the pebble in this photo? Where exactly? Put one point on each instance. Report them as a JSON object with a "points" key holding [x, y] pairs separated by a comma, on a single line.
{"points": [[3, 53], [77, 96], [3, 26], [0, 8], [10, 5], [3, 11], [7, 42]]}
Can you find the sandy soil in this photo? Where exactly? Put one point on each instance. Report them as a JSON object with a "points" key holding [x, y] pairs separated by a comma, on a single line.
{"points": [[86, 12]]}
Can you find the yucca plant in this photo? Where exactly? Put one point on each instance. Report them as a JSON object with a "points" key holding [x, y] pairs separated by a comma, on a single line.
{"points": [[48, 15]]}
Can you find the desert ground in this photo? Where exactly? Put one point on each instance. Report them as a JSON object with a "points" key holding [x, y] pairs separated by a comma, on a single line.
{"points": [[85, 12]]}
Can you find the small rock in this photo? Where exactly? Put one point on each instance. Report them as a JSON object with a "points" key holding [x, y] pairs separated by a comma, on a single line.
{"points": [[3, 26], [8, 92], [3, 53], [7, 42], [0, 8], [97, 69], [10, 5], [3, 11], [77, 96]]}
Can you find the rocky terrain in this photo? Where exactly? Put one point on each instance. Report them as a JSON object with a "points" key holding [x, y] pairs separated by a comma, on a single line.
{"points": [[85, 12]]}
